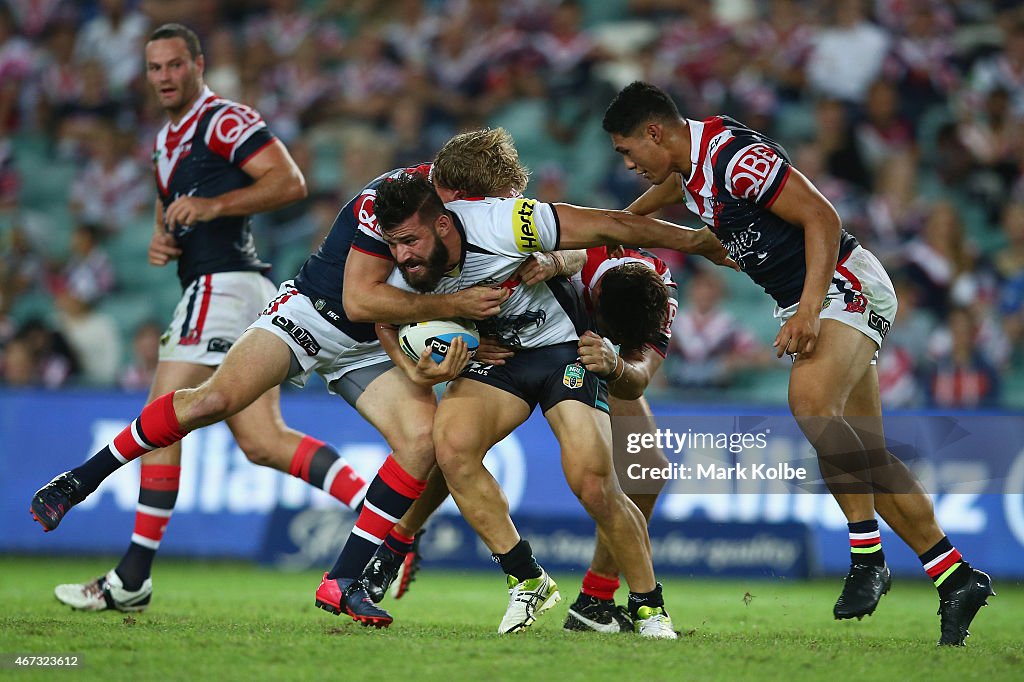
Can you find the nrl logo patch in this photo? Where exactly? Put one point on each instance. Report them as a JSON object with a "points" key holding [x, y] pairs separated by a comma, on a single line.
{"points": [[573, 377]]}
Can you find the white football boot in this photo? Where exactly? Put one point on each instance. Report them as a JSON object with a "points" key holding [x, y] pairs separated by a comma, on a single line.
{"points": [[527, 600], [106, 592], [654, 622]]}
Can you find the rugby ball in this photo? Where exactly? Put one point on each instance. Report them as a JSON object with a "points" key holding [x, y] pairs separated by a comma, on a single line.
{"points": [[437, 335]]}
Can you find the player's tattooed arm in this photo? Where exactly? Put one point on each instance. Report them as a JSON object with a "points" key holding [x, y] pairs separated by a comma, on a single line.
{"points": [[658, 197], [163, 248], [278, 182], [800, 203], [540, 267]]}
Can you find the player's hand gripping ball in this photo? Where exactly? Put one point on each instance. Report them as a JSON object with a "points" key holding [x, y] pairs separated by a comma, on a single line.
{"points": [[437, 335]]}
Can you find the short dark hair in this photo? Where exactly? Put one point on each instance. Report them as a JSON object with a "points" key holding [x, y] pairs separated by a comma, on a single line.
{"points": [[399, 198], [633, 306], [636, 104], [169, 31]]}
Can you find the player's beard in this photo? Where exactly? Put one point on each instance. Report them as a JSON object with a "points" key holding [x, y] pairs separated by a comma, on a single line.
{"points": [[433, 268]]}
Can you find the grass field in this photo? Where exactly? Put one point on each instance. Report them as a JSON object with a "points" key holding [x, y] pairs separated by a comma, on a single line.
{"points": [[228, 621]]}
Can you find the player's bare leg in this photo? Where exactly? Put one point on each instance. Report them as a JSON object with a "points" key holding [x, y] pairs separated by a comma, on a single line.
{"points": [[594, 608], [639, 411], [907, 508], [243, 390], [584, 434], [493, 414], [819, 387], [903, 503], [256, 363]]}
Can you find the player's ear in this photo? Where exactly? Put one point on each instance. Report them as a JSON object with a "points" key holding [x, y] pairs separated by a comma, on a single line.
{"points": [[654, 132], [443, 224], [200, 63]]}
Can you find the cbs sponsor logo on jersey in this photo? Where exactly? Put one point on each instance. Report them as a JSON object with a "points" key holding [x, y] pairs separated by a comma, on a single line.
{"points": [[752, 170], [523, 226]]}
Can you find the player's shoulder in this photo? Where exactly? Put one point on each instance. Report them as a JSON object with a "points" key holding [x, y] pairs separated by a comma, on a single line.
{"points": [[225, 124], [504, 223], [742, 138]]}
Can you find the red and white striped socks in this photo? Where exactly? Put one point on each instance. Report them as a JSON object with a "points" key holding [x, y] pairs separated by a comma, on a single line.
{"points": [[321, 466], [866, 543], [390, 495], [158, 491], [156, 427], [945, 566]]}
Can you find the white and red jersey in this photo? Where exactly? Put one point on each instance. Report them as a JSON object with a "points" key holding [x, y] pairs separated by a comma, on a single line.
{"points": [[202, 155], [736, 176], [497, 236], [599, 263]]}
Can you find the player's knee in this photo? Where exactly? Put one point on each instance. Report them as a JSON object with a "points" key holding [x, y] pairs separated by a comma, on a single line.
{"points": [[210, 405], [415, 440], [595, 493], [257, 450], [814, 404], [455, 464]]}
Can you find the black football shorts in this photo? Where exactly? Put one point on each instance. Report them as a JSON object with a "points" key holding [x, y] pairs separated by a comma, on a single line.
{"points": [[544, 376]]}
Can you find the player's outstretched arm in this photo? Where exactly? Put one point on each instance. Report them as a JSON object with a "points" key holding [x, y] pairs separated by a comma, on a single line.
{"points": [[278, 182], [583, 227], [369, 298], [658, 197], [801, 204]]}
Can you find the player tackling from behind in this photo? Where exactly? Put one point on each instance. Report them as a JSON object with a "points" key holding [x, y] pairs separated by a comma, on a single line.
{"points": [[216, 163], [442, 248], [835, 302]]}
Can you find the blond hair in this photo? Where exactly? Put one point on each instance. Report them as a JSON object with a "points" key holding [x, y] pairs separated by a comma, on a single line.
{"points": [[481, 163]]}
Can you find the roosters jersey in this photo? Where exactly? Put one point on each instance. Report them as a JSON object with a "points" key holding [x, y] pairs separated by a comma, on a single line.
{"points": [[202, 155], [497, 236], [322, 276], [598, 263], [736, 176]]}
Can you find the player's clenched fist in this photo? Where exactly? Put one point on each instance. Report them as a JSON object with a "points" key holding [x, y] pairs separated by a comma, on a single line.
{"points": [[597, 354]]}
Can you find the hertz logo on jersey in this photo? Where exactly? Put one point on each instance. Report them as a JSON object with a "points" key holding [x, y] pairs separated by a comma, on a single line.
{"points": [[524, 227]]}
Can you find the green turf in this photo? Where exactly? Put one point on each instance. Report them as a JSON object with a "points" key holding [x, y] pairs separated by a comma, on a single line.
{"points": [[228, 621]]}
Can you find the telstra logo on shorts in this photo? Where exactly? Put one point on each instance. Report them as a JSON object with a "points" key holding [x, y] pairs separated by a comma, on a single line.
{"points": [[523, 226]]}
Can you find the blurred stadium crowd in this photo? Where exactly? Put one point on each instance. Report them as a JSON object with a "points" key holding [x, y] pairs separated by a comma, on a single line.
{"points": [[907, 114]]}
